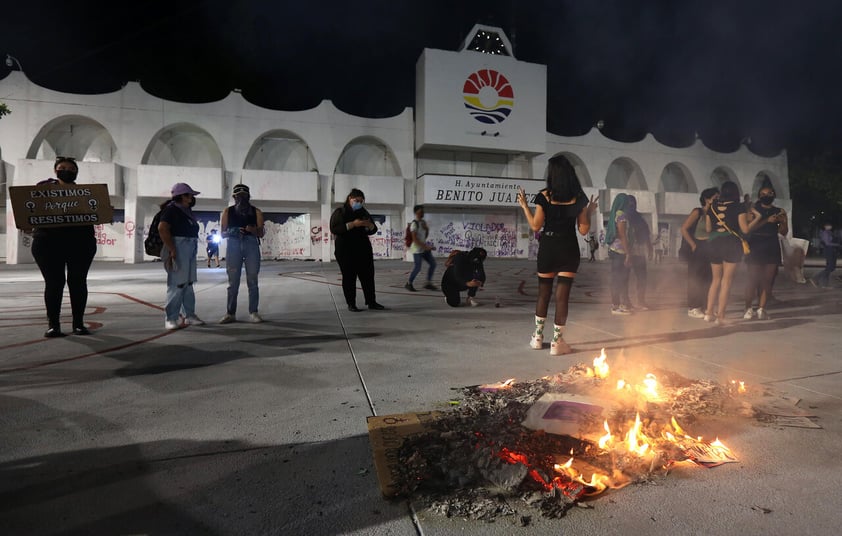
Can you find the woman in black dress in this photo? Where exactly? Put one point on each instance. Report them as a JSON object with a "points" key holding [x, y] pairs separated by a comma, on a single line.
{"points": [[560, 208], [765, 256], [352, 225]]}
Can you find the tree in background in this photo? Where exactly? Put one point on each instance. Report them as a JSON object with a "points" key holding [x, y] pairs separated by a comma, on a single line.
{"points": [[815, 184]]}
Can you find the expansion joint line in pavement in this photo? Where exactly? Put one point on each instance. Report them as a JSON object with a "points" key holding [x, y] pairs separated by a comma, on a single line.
{"points": [[350, 346]]}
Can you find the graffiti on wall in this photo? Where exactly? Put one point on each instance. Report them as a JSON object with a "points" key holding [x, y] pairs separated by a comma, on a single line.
{"points": [[496, 233], [287, 236]]}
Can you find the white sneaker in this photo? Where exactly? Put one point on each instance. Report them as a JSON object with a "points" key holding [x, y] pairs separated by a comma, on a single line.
{"points": [[255, 318], [472, 302], [750, 314], [227, 319], [621, 310], [194, 320], [709, 318], [171, 325], [762, 314], [695, 312]]}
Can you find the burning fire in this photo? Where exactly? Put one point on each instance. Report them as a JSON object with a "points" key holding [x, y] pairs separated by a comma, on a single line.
{"points": [[600, 366], [634, 442], [507, 384], [740, 386]]}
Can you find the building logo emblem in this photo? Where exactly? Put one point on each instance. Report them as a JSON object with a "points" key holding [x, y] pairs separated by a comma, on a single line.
{"points": [[488, 96]]}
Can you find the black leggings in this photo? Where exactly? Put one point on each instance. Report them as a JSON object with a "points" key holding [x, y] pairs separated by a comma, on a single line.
{"points": [[54, 255], [451, 287]]}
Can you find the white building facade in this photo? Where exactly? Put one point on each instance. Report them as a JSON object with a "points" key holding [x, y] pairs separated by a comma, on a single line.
{"points": [[477, 132]]}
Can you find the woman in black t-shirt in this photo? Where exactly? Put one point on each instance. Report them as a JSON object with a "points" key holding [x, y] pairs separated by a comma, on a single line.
{"points": [[60, 249], [179, 231], [560, 209], [352, 225]]}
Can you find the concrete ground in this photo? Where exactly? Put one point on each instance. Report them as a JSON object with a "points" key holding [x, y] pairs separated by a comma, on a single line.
{"points": [[261, 429]]}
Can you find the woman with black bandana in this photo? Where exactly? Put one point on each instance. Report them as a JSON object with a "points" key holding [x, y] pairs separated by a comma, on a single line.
{"points": [[242, 225], [765, 256], [57, 249], [179, 231], [352, 225]]}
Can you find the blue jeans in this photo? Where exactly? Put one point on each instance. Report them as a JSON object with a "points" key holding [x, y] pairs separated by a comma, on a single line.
{"points": [[418, 257], [180, 295], [245, 249]]}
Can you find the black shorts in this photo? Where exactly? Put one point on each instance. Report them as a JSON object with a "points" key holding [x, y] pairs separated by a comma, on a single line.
{"points": [[558, 254], [725, 249]]}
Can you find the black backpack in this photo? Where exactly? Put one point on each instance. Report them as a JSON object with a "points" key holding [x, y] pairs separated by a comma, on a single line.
{"points": [[153, 242]]}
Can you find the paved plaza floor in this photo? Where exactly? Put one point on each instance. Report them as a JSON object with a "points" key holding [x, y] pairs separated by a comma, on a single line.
{"points": [[255, 429]]}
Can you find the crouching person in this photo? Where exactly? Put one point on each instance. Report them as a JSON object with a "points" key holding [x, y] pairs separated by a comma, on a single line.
{"points": [[464, 272]]}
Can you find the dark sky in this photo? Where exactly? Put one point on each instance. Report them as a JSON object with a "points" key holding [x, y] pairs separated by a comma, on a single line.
{"points": [[769, 70]]}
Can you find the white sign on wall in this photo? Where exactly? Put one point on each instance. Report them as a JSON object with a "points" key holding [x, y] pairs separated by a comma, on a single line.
{"points": [[474, 100], [474, 191]]}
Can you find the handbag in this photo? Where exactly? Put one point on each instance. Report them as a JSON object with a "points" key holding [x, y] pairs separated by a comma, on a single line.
{"points": [[746, 248]]}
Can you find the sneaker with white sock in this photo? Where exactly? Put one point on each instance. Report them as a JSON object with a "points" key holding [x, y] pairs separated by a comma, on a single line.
{"points": [[255, 318], [709, 318], [194, 320], [762, 314], [750, 314], [472, 302], [170, 325], [537, 341], [227, 319], [695, 312]]}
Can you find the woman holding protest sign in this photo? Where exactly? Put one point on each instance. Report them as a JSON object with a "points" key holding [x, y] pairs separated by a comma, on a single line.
{"points": [[64, 254]]}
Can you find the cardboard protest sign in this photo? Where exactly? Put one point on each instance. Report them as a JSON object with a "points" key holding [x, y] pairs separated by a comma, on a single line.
{"points": [[60, 205]]}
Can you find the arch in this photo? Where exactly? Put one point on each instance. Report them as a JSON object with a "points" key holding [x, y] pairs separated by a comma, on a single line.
{"points": [[578, 165], [76, 136], [762, 177], [280, 150], [368, 155], [676, 177], [722, 174], [183, 144], [625, 173]]}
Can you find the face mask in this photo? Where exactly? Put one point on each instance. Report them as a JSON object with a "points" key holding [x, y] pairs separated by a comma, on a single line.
{"points": [[66, 175], [767, 199], [356, 205]]}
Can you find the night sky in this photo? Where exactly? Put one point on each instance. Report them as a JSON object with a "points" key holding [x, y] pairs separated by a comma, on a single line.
{"points": [[727, 70]]}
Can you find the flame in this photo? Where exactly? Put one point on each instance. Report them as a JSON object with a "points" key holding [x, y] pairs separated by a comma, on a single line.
{"points": [[600, 366], [676, 427], [740, 386], [635, 440], [621, 384], [603, 441], [650, 383], [507, 384]]}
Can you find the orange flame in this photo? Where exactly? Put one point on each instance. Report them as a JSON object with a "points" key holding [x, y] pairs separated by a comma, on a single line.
{"points": [[635, 440], [600, 366], [621, 384], [507, 384], [650, 389], [603, 441]]}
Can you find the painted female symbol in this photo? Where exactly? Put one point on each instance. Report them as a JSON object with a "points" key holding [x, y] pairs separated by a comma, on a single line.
{"points": [[93, 204], [30, 205]]}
